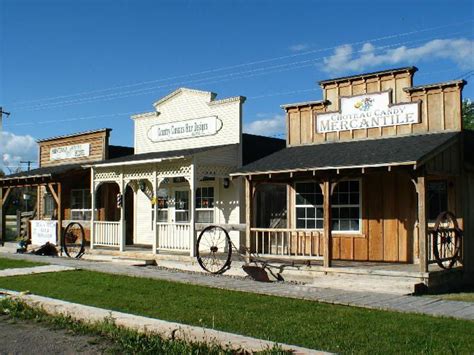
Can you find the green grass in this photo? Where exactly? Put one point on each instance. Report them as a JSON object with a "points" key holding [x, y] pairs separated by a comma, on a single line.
{"points": [[465, 294], [13, 264], [120, 340], [305, 323]]}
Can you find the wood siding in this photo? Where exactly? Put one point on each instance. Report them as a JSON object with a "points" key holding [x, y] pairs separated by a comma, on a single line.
{"points": [[440, 109], [98, 148]]}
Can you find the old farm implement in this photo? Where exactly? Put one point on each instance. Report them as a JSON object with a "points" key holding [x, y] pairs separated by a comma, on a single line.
{"points": [[446, 239]]}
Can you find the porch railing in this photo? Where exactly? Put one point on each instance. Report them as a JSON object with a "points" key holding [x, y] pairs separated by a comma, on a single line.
{"points": [[107, 233], [173, 236], [286, 242]]}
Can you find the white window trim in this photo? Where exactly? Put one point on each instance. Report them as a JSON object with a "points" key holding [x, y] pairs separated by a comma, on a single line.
{"points": [[209, 183], [355, 232], [71, 210]]}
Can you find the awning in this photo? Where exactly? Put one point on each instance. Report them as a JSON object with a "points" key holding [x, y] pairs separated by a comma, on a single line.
{"points": [[407, 150], [40, 175]]}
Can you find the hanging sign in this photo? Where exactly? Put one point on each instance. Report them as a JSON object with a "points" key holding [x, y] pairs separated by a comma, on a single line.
{"points": [[69, 152], [367, 111], [199, 127], [43, 232]]}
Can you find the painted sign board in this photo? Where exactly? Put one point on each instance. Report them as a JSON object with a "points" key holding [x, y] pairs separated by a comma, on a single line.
{"points": [[198, 127], [69, 151], [43, 232], [367, 111]]}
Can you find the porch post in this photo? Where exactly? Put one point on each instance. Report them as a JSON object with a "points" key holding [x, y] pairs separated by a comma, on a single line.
{"points": [[123, 232], [60, 216], [327, 223], [93, 209], [192, 208], [248, 217], [155, 211], [422, 222], [2, 218]]}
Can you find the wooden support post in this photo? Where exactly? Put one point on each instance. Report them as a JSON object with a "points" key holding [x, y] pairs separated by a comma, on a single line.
{"points": [[327, 224], [248, 218], [123, 227], [60, 216], [2, 218], [92, 187], [422, 223], [192, 208]]}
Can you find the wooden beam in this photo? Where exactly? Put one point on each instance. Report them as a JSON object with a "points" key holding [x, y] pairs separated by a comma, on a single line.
{"points": [[5, 196], [327, 225], [422, 223], [248, 218], [53, 192]]}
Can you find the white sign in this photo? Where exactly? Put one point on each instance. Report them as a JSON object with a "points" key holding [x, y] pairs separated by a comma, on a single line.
{"points": [[367, 111], [199, 127], [70, 151], [43, 232]]}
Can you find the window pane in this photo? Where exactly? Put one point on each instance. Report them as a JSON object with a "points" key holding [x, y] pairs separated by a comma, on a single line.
{"points": [[344, 225], [205, 216], [335, 225], [182, 217], [319, 212], [300, 223], [310, 223], [319, 224], [162, 216], [344, 212], [354, 212], [300, 212], [354, 186], [354, 198], [310, 212], [354, 224]]}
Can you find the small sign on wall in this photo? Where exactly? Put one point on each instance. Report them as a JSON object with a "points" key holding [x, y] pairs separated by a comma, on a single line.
{"points": [[43, 232], [199, 127], [367, 111], [69, 152]]}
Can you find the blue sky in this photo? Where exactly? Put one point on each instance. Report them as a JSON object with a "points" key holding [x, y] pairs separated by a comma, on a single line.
{"points": [[68, 66]]}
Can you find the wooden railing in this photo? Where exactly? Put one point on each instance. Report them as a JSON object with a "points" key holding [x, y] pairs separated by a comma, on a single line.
{"points": [[173, 236], [107, 233], [286, 242]]}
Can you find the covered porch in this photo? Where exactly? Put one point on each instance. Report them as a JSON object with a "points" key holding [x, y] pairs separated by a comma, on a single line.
{"points": [[369, 203], [151, 203]]}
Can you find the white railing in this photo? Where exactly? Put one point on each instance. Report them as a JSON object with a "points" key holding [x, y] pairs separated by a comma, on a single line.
{"points": [[107, 233], [173, 236], [286, 242]]}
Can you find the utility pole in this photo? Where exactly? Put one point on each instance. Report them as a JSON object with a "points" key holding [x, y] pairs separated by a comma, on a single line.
{"points": [[1, 117]]}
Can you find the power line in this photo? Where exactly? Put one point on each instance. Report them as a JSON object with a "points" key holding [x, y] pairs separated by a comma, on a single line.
{"points": [[262, 61], [149, 90]]}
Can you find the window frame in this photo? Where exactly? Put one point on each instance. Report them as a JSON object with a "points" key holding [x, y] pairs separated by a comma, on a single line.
{"points": [[305, 206], [83, 210], [207, 184], [339, 232]]}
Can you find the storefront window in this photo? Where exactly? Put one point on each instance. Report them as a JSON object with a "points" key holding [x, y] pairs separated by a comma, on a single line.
{"points": [[309, 205], [80, 205], [205, 205], [49, 205], [181, 200], [346, 206], [162, 205], [437, 198]]}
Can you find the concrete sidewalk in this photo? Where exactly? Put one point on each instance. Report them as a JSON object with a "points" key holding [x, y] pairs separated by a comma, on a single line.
{"points": [[381, 301]]}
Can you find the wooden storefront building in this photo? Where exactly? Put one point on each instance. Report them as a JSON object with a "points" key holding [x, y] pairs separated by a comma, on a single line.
{"points": [[62, 180], [365, 173]]}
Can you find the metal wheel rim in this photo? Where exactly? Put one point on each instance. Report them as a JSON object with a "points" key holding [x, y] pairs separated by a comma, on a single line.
{"points": [[76, 248], [214, 250]]}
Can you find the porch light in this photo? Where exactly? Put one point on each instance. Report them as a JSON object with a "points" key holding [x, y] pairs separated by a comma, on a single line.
{"points": [[226, 183]]}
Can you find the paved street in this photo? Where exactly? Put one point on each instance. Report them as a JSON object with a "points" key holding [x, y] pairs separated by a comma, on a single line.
{"points": [[28, 337], [411, 304]]}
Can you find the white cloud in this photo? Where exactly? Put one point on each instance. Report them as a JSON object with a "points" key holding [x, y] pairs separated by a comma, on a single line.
{"points": [[299, 47], [345, 58], [14, 149], [267, 127]]}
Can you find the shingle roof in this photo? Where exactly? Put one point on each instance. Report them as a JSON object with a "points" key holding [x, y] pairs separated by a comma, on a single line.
{"points": [[339, 155], [48, 171]]}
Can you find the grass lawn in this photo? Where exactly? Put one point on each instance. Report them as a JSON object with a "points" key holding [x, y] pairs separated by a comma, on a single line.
{"points": [[12, 264], [466, 294], [305, 323]]}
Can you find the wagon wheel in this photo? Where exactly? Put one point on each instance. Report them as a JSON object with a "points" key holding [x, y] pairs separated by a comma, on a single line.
{"points": [[446, 240], [73, 243], [214, 250]]}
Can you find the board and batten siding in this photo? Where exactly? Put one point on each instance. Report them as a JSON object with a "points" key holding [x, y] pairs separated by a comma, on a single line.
{"points": [[97, 150], [440, 109], [188, 104]]}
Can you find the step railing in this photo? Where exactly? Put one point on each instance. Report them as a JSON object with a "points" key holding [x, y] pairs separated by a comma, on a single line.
{"points": [[173, 236], [107, 233], [286, 242]]}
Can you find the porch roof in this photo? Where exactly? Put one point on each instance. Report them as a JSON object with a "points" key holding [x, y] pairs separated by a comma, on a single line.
{"points": [[155, 157], [407, 150], [43, 174]]}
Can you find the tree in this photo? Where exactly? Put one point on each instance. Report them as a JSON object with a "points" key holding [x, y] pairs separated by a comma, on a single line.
{"points": [[468, 114], [2, 174]]}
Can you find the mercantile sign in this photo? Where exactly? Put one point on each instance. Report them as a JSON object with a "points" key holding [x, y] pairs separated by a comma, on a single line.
{"points": [[69, 151], [198, 127], [367, 111]]}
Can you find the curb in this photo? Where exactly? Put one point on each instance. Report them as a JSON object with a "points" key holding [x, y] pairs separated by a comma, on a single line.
{"points": [[165, 329]]}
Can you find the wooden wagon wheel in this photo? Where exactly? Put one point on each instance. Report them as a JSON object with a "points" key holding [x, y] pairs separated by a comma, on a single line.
{"points": [[447, 240], [214, 250], [73, 243]]}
